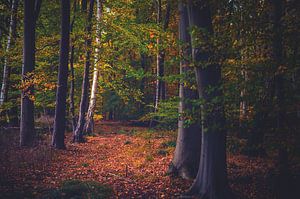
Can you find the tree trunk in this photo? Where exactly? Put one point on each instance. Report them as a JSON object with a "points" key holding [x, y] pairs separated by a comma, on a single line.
{"points": [[72, 89], [160, 93], [243, 101], [61, 94], [10, 42], [27, 131], [84, 5], [78, 134], [186, 158], [144, 67], [158, 60], [13, 113], [284, 178], [89, 125], [72, 86], [254, 145], [211, 181]]}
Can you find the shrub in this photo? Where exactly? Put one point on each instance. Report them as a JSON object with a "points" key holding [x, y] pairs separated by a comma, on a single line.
{"points": [[168, 144], [166, 116]]}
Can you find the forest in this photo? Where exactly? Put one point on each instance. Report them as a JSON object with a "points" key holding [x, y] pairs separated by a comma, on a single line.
{"points": [[150, 99]]}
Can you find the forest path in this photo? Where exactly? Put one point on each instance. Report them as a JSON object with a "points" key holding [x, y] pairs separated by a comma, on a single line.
{"points": [[132, 160]]}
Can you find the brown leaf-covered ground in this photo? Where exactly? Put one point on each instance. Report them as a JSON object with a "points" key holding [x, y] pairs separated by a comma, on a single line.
{"points": [[132, 160]]}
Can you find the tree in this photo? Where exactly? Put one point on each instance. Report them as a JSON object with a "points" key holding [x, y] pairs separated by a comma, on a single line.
{"points": [[284, 179], [27, 131], [62, 85], [7, 68], [84, 5], [185, 162], [72, 55], [78, 134], [10, 42], [160, 93], [89, 124], [211, 181]]}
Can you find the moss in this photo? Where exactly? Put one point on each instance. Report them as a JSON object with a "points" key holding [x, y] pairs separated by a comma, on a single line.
{"points": [[77, 189]]}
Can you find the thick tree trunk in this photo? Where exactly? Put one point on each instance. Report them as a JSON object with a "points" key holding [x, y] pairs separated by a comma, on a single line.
{"points": [[89, 125], [10, 42], [78, 134], [187, 153], [284, 179], [211, 181], [61, 94], [27, 131]]}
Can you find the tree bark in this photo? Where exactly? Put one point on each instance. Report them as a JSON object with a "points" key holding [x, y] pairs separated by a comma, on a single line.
{"points": [[211, 181], [72, 86], [186, 158], [78, 134], [89, 125], [160, 93], [72, 89], [27, 131], [144, 64], [10, 42], [84, 5], [284, 179], [61, 94]]}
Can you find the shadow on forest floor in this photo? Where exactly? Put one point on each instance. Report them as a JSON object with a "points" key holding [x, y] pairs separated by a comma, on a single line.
{"points": [[129, 160]]}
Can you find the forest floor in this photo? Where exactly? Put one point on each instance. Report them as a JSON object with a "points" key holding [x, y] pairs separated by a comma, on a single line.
{"points": [[132, 160]]}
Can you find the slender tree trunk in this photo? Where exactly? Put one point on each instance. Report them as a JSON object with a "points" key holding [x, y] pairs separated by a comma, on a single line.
{"points": [[10, 42], [61, 94], [211, 181], [12, 113], [160, 93], [277, 56], [78, 134], [27, 131], [158, 60], [72, 89], [143, 80], [187, 153], [243, 102], [161, 58], [89, 125], [72, 86], [296, 75], [84, 5]]}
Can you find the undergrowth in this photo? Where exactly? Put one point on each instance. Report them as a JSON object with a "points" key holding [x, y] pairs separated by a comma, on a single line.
{"points": [[77, 189]]}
